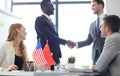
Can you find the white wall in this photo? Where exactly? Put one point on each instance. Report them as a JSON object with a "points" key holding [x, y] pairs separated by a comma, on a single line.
{"points": [[5, 5], [6, 19], [113, 7], [2, 4]]}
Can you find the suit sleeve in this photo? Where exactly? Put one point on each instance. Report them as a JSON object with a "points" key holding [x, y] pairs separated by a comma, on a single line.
{"points": [[110, 51], [86, 42], [42, 28]]}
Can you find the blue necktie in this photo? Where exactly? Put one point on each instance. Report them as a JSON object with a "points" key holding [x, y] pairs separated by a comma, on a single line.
{"points": [[97, 26]]}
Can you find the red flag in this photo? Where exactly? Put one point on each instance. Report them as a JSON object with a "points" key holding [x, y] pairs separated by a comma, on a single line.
{"points": [[38, 56], [48, 56]]}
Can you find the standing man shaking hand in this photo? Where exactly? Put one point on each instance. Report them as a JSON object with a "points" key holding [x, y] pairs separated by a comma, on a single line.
{"points": [[94, 31], [46, 31]]}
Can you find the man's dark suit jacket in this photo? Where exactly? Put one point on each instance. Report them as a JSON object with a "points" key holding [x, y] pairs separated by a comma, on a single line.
{"points": [[46, 32], [98, 42]]}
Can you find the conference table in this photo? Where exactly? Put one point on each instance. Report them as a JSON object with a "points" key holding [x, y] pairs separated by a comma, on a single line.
{"points": [[51, 73]]}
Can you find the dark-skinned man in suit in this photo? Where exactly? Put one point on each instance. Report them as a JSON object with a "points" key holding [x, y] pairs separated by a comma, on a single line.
{"points": [[46, 31]]}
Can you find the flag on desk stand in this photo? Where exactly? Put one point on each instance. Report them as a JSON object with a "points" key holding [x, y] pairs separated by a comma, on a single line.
{"points": [[38, 56], [48, 56]]}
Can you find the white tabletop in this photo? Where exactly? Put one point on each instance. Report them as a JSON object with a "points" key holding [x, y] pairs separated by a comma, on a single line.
{"points": [[63, 73], [16, 73], [22, 73]]}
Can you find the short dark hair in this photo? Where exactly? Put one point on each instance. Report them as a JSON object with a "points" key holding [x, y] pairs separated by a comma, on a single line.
{"points": [[113, 22], [99, 2], [44, 3]]}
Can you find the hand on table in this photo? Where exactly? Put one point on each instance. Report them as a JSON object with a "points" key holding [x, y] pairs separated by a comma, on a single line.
{"points": [[10, 68]]}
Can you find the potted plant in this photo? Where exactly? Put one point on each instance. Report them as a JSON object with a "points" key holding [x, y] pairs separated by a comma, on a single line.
{"points": [[71, 59]]}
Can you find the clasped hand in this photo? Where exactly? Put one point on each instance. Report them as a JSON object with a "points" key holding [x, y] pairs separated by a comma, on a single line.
{"points": [[71, 44]]}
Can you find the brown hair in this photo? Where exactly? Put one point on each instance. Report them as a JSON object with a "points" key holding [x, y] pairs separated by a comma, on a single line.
{"points": [[99, 2], [12, 34], [112, 21]]}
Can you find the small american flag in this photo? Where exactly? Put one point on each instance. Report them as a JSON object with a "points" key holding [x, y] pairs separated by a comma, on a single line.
{"points": [[38, 55]]}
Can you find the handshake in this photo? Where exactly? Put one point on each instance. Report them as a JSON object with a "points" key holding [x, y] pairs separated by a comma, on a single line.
{"points": [[71, 44]]}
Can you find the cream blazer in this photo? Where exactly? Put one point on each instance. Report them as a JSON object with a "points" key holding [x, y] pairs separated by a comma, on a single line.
{"points": [[7, 54]]}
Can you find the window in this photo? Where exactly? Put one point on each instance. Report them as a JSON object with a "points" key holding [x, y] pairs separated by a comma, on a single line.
{"points": [[28, 0], [74, 0], [73, 20], [28, 17]]}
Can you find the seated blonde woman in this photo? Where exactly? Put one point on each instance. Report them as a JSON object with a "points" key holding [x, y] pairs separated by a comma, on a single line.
{"points": [[13, 51]]}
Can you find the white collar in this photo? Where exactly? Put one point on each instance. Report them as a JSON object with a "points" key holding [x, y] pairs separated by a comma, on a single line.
{"points": [[48, 17], [102, 15]]}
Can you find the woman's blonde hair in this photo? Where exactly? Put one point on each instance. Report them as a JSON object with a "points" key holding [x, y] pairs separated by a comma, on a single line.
{"points": [[12, 34]]}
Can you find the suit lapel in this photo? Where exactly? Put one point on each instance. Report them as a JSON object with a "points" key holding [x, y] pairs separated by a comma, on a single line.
{"points": [[94, 28], [50, 23]]}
